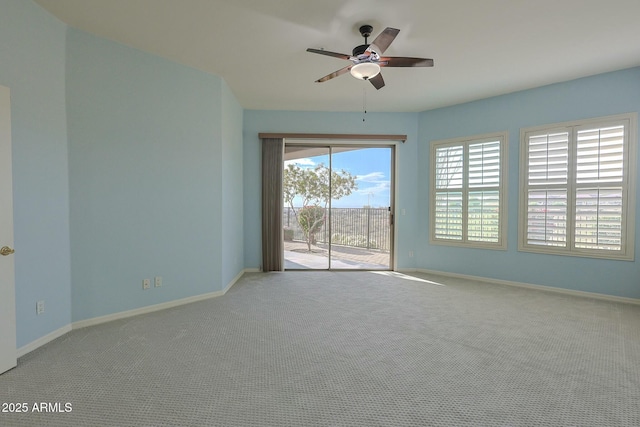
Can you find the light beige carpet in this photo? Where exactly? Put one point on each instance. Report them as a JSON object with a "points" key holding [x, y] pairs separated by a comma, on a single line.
{"points": [[345, 349]]}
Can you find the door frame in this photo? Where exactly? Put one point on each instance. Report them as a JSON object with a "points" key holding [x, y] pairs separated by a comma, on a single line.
{"points": [[8, 346], [359, 141]]}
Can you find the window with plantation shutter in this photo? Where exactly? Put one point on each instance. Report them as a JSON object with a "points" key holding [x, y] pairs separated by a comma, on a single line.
{"points": [[467, 191], [578, 189], [548, 169]]}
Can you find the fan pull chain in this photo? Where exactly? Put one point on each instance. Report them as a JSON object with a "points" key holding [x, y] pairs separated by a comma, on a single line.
{"points": [[364, 103]]}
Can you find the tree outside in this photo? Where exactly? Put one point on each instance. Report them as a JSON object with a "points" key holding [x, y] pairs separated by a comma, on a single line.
{"points": [[311, 186]]}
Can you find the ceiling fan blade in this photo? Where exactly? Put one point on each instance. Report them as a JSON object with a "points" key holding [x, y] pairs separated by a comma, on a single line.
{"points": [[401, 61], [384, 39], [377, 81], [340, 72], [329, 53]]}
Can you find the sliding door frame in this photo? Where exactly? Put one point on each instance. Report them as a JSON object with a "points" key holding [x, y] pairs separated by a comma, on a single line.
{"points": [[355, 139], [382, 141]]}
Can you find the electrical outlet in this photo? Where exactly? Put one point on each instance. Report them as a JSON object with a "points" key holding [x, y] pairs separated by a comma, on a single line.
{"points": [[146, 284], [410, 254], [157, 282], [40, 307], [403, 212]]}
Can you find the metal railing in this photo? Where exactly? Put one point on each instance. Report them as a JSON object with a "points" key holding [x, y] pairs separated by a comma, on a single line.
{"points": [[357, 227]]}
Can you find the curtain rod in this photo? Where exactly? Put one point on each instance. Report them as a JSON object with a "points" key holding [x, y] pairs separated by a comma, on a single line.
{"points": [[375, 137]]}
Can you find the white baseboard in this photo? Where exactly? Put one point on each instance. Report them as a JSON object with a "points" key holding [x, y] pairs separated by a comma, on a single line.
{"points": [[156, 307], [233, 281], [123, 315], [143, 310], [544, 288], [43, 340]]}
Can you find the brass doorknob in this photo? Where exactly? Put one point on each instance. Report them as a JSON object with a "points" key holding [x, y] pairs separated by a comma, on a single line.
{"points": [[6, 250]]}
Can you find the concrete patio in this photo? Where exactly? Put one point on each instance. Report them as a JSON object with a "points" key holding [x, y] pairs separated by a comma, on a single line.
{"points": [[297, 256]]}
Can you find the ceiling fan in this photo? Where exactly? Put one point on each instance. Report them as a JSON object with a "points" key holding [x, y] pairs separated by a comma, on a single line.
{"points": [[366, 59]]}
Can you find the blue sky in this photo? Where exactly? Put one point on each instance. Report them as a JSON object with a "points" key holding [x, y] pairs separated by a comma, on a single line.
{"points": [[372, 168]]}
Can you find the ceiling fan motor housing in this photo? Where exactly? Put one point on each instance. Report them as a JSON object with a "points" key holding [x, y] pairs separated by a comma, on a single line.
{"points": [[359, 50]]}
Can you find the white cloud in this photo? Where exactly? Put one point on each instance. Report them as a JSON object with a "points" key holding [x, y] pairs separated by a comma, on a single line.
{"points": [[374, 188], [371, 177], [379, 187], [300, 162], [372, 183]]}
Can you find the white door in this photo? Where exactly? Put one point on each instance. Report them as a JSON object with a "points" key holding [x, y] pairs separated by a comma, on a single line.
{"points": [[7, 274]]}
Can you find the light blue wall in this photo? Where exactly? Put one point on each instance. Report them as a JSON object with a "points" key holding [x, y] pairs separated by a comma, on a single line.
{"points": [[32, 65], [232, 198], [257, 121], [601, 95], [145, 138], [142, 162]]}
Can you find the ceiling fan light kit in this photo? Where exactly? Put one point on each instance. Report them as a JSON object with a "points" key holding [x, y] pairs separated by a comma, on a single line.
{"points": [[366, 59], [365, 70]]}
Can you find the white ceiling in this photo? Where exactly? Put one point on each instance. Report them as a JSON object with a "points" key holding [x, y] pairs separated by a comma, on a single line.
{"points": [[481, 48]]}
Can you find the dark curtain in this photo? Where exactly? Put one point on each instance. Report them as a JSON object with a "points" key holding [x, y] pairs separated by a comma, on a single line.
{"points": [[272, 169]]}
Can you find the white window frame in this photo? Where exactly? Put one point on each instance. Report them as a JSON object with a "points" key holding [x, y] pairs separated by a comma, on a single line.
{"points": [[630, 121], [465, 142]]}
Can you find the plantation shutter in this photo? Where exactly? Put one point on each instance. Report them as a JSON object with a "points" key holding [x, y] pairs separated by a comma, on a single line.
{"points": [[547, 167], [483, 218], [448, 197], [599, 188], [467, 191], [578, 188]]}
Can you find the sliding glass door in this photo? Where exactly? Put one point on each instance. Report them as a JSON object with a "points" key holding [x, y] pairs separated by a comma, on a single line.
{"points": [[361, 221], [338, 205], [306, 207]]}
